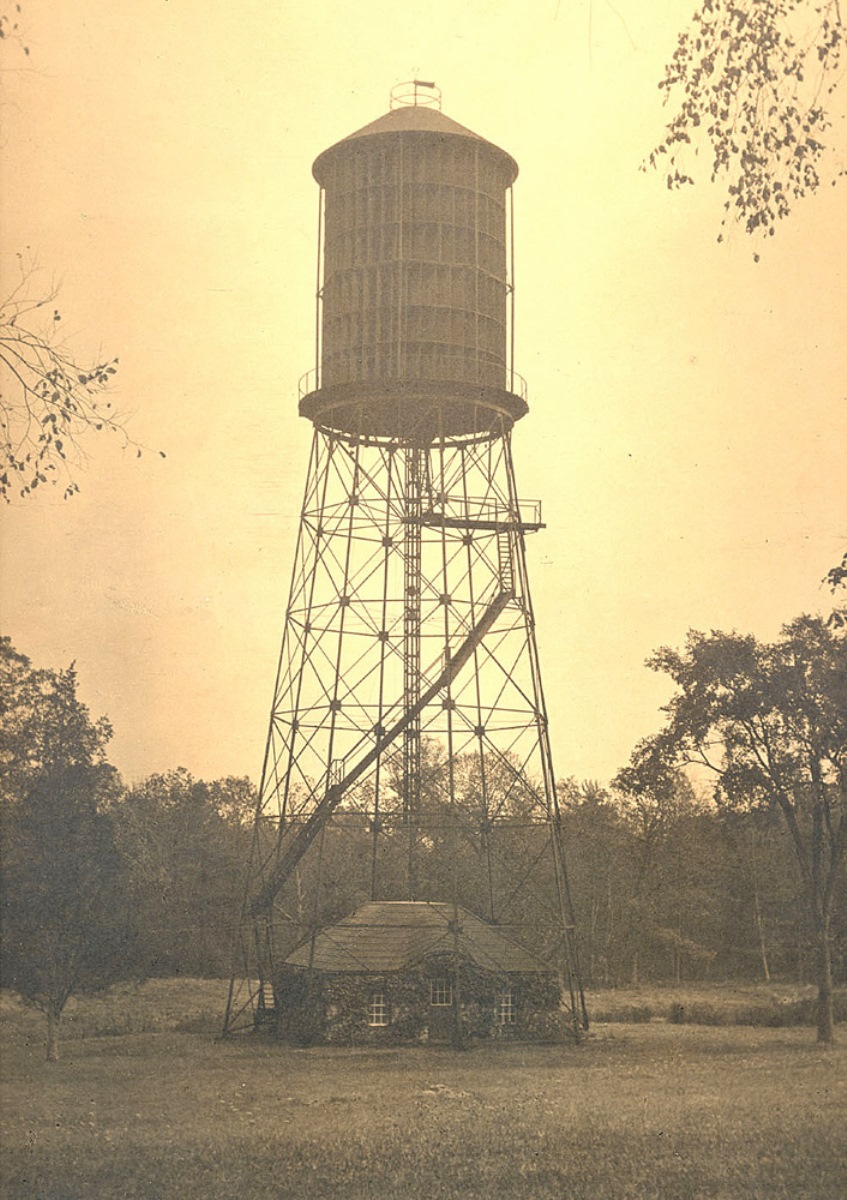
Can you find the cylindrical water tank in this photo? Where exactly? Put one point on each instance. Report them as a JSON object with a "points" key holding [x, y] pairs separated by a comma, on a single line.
{"points": [[414, 329]]}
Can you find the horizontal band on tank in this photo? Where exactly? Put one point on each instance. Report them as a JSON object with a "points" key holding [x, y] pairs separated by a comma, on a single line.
{"points": [[416, 409]]}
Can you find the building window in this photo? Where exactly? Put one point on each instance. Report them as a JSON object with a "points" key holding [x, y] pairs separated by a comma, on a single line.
{"points": [[505, 1008], [378, 1009], [440, 993]]}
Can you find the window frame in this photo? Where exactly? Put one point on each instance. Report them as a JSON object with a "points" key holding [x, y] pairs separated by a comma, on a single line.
{"points": [[506, 1007], [379, 1010], [440, 986]]}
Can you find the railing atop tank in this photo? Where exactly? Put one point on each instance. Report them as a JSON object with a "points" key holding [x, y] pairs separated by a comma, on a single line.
{"points": [[512, 382], [409, 94]]}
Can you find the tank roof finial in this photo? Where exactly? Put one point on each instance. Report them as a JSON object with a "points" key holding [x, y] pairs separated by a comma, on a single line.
{"points": [[416, 93]]}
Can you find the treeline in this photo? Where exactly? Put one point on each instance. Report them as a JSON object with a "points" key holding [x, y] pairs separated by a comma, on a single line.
{"points": [[716, 853], [676, 888]]}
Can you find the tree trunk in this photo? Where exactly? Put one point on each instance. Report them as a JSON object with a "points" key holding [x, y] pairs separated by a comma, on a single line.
{"points": [[826, 1022], [757, 911], [592, 936], [52, 1035], [760, 930]]}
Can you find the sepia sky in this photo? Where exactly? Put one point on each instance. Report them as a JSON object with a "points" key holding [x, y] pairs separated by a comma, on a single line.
{"points": [[688, 426]]}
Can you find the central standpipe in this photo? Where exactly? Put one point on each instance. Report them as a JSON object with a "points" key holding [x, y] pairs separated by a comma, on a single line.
{"points": [[408, 753]]}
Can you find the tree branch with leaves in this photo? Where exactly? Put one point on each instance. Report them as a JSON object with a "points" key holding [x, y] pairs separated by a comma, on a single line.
{"points": [[49, 402], [754, 81]]}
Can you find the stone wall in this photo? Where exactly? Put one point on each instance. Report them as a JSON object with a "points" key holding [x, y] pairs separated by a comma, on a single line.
{"points": [[334, 1007]]}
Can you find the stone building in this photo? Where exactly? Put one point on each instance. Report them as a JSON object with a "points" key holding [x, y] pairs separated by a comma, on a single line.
{"points": [[408, 971]]}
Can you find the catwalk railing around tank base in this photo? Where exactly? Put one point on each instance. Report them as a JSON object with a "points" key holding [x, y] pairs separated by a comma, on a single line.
{"points": [[512, 382], [306, 833]]}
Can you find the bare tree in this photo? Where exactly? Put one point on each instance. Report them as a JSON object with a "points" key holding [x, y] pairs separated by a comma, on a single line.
{"points": [[48, 400]]}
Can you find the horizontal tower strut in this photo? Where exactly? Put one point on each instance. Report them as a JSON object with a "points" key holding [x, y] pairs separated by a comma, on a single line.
{"points": [[299, 844], [439, 520]]}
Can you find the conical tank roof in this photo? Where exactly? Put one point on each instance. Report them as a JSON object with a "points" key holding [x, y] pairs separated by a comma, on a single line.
{"points": [[411, 118]]}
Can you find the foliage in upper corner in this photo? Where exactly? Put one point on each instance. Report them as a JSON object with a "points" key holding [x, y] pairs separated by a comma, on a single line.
{"points": [[10, 29], [47, 400], [756, 78]]}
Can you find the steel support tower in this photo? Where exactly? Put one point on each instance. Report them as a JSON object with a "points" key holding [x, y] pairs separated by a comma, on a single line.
{"points": [[408, 754]]}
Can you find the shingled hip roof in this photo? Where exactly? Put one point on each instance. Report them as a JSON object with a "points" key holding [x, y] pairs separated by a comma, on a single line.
{"points": [[386, 936]]}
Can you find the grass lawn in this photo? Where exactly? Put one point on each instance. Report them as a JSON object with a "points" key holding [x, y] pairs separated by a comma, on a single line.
{"points": [[642, 1110]]}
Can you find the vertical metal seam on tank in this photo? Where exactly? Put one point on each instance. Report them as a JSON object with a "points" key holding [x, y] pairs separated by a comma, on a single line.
{"points": [[510, 284], [477, 363], [319, 287], [401, 273], [379, 332]]}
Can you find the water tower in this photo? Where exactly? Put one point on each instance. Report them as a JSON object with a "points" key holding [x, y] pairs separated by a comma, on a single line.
{"points": [[408, 756]]}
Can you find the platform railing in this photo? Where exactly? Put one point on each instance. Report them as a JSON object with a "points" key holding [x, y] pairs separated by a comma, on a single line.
{"points": [[484, 511], [513, 382]]}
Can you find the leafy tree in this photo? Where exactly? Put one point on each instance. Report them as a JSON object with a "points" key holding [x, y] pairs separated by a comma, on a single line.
{"points": [[770, 722], [66, 927], [601, 868], [765, 925], [754, 81], [185, 843], [43, 725], [64, 924], [672, 918]]}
